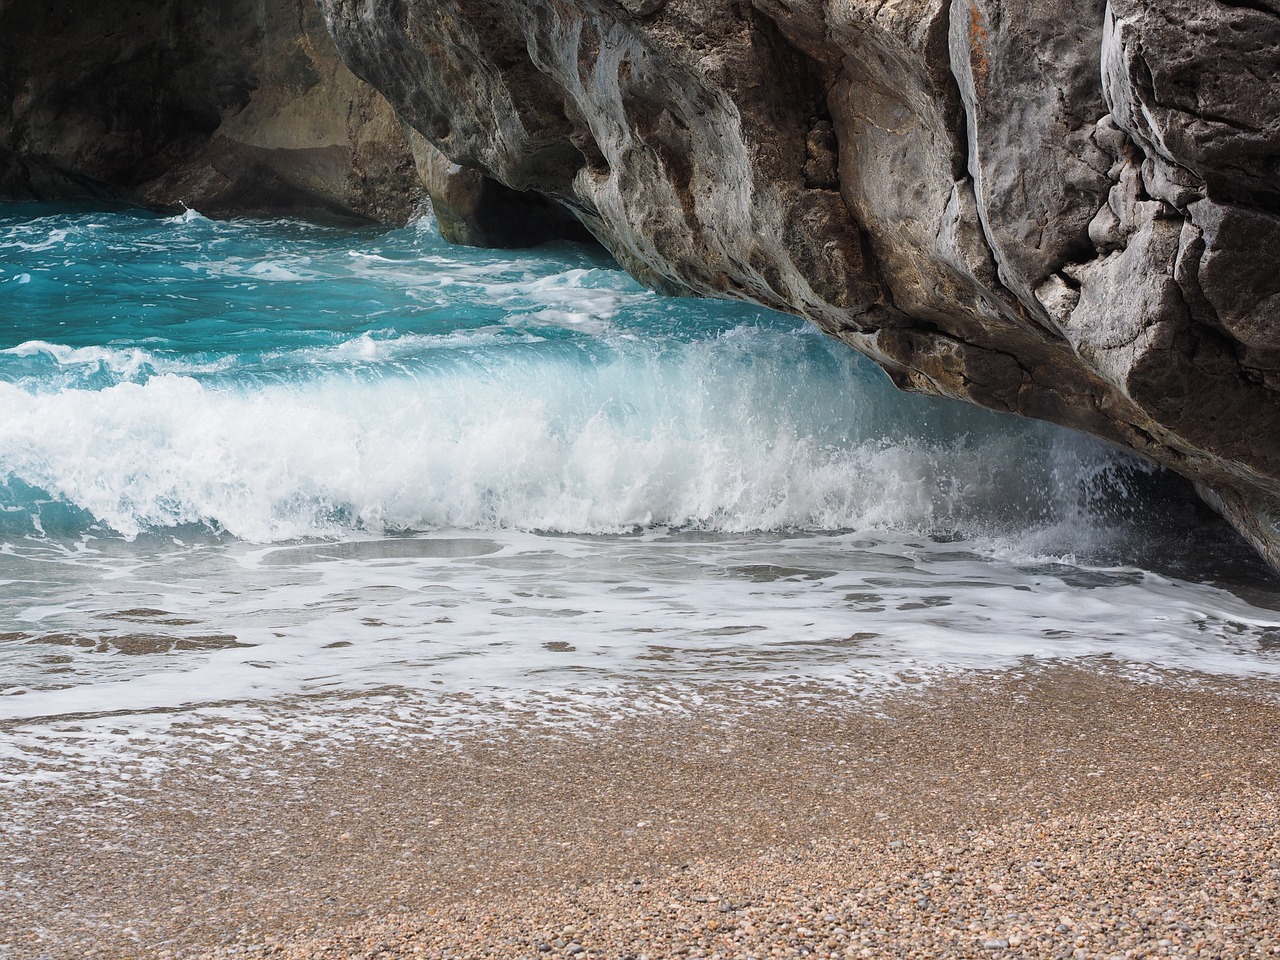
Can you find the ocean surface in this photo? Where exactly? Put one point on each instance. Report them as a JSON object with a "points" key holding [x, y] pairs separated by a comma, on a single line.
{"points": [[247, 462]]}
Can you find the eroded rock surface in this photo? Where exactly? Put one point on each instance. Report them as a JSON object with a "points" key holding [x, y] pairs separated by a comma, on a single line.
{"points": [[1066, 209], [230, 107]]}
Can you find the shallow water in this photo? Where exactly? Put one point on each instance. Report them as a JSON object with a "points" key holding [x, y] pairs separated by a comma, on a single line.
{"points": [[245, 461]]}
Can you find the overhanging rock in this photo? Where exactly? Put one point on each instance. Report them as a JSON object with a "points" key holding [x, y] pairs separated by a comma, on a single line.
{"points": [[1067, 210]]}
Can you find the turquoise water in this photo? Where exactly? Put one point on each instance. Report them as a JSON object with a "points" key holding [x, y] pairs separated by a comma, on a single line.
{"points": [[245, 460], [272, 381], [280, 380]]}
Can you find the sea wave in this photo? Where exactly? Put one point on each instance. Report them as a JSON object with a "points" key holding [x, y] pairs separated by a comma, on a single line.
{"points": [[712, 435], [281, 380]]}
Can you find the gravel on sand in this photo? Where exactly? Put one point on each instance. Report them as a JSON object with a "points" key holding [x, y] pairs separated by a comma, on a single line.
{"points": [[1065, 812]]}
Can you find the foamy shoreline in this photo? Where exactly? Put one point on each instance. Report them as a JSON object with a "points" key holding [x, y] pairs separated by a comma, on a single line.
{"points": [[968, 817]]}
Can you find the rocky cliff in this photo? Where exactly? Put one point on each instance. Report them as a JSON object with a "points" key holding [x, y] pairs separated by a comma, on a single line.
{"points": [[229, 107], [1068, 209]]}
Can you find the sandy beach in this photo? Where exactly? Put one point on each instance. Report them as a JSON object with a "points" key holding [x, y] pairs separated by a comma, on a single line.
{"points": [[1062, 811]]}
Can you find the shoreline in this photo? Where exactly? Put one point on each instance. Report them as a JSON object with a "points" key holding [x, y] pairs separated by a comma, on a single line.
{"points": [[1131, 795]]}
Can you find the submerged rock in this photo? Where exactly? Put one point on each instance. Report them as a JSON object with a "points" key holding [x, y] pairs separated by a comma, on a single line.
{"points": [[1066, 210]]}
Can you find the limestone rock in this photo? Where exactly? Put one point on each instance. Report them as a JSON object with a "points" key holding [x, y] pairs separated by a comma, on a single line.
{"points": [[233, 107], [1067, 209], [478, 211]]}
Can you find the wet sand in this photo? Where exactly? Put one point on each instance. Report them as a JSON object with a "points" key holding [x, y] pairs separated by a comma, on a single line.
{"points": [[1059, 812]]}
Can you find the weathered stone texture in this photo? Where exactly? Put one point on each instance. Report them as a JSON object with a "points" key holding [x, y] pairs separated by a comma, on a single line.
{"points": [[231, 107], [477, 211], [1063, 208]]}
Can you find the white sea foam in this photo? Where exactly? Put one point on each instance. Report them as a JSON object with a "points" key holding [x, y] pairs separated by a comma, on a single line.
{"points": [[279, 269], [124, 361], [389, 347], [619, 490], [40, 239], [511, 613], [185, 217], [696, 434], [84, 366]]}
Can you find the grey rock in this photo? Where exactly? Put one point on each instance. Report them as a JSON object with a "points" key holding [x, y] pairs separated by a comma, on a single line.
{"points": [[1067, 210], [1029, 76], [1238, 273], [232, 107], [478, 211], [1194, 84]]}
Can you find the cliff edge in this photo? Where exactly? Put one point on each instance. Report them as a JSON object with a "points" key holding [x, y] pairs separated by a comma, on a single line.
{"points": [[1068, 210]]}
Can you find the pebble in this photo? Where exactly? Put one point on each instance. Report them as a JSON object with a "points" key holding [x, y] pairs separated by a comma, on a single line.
{"points": [[1007, 856], [839, 900]]}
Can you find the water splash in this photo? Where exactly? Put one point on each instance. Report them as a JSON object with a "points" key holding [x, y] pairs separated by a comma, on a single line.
{"points": [[278, 381]]}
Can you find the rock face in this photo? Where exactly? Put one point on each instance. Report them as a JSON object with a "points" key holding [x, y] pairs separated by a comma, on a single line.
{"points": [[477, 211], [1066, 209], [229, 107]]}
